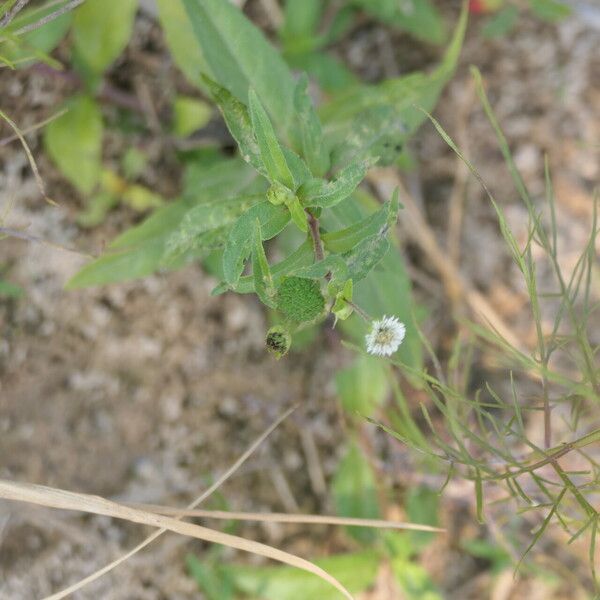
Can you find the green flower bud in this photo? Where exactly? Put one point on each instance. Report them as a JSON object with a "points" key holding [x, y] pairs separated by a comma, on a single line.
{"points": [[300, 299], [278, 341], [280, 194]]}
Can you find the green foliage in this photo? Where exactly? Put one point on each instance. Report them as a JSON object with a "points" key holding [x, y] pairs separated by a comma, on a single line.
{"points": [[238, 56], [309, 126], [502, 22], [354, 491], [418, 17], [181, 39], [272, 220], [299, 299], [35, 45], [482, 429], [101, 30], [189, 115], [363, 386], [550, 10], [74, 142], [10, 290], [355, 571], [270, 151]]}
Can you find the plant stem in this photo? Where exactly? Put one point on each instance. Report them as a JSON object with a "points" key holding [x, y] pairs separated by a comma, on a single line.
{"points": [[12, 13], [313, 224]]}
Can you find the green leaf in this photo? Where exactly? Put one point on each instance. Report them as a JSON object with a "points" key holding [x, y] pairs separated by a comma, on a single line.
{"points": [[141, 250], [402, 94], [355, 571], [346, 239], [414, 581], [501, 22], [203, 218], [342, 307], [33, 46], [206, 180], [354, 491], [298, 215], [239, 124], [366, 255], [239, 57], [189, 115], [74, 142], [270, 150], [376, 132], [550, 10], [299, 169], [386, 290], [418, 17], [272, 220], [101, 30], [10, 290], [96, 209], [299, 299], [422, 506], [298, 259], [363, 386], [113, 267], [326, 194], [263, 280], [215, 582], [301, 19], [309, 125], [329, 72], [333, 264], [181, 40]]}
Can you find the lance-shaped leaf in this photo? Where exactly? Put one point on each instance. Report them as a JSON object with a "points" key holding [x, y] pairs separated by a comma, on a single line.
{"points": [[346, 239], [403, 95], [301, 257], [270, 151], [309, 125], [101, 30], [354, 490], [263, 279], [333, 264], [365, 256], [299, 169], [326, 194], [238, 122], [378, 131], [298, 214], [206, 217], [272, 220], [74, 142], [239, 57]]}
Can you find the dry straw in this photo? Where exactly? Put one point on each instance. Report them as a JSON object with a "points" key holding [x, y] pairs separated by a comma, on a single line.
{"points": [[156, 516]]}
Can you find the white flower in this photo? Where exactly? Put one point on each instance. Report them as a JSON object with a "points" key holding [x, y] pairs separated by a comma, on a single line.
{"points": [[385, 336]]}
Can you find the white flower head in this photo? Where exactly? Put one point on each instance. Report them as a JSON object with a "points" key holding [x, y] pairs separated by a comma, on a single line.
{"points": [[385, 336]]}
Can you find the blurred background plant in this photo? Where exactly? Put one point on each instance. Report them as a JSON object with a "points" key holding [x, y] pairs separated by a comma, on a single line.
{"points": [[457, 423]]}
